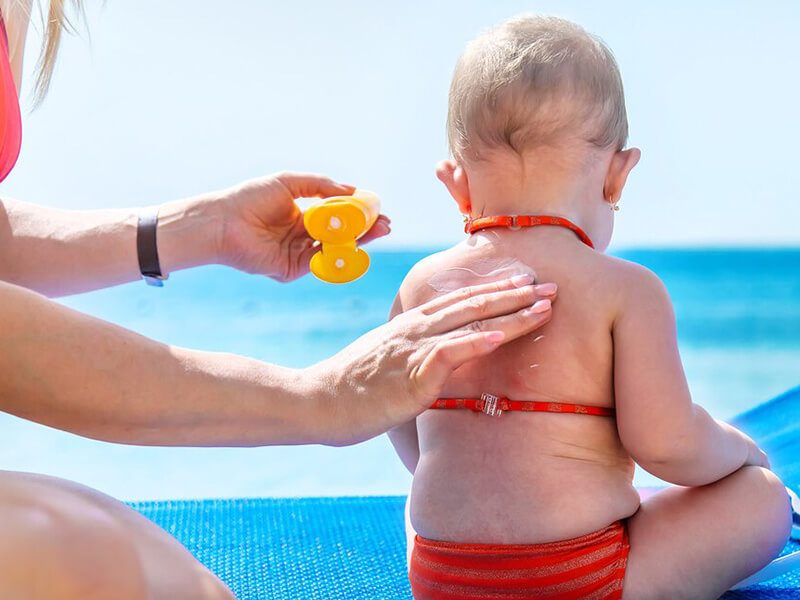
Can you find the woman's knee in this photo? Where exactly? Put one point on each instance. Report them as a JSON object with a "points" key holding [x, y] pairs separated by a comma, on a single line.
{"points": [[214, 589], [60, 553]]}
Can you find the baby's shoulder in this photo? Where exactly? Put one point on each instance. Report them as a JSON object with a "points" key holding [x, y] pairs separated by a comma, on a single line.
{"points": [[622, 271], [630, 282], [416, 288]]}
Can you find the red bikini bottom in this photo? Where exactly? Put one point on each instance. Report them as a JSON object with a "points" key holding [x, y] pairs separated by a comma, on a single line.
{"points": [[590, 567]]}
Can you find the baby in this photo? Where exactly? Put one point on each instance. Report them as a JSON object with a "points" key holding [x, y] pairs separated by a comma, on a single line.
{"points": [[540, 501]]}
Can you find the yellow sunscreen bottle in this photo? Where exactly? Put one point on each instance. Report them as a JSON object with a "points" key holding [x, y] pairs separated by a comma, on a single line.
{"points": [[337, 223]]}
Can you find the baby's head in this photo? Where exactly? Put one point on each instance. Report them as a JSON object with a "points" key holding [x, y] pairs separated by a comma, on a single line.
{"points": [[537, 111]]}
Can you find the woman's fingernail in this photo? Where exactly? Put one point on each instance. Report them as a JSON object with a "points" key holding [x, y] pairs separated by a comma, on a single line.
{"points": [[546, 289], [541, 306], [522, 280]]}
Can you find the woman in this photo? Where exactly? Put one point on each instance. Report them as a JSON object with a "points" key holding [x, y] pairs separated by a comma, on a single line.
{"points": [[79, 374]]}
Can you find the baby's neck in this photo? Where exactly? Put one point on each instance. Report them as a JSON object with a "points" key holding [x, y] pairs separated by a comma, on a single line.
{"points": [[536, 186]]}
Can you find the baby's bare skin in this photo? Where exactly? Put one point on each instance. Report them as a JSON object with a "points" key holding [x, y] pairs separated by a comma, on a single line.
{"points": [[527, 477]]}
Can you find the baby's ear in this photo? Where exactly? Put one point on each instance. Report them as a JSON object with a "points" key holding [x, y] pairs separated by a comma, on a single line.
{"points": [[454, 178], [622, 164]]}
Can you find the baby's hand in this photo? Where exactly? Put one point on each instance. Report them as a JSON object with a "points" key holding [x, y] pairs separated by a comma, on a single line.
{"points": [[756, 457]]}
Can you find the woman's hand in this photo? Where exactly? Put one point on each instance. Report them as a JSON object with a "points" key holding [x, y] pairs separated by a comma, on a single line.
{"points": [[255, 227], [393, 373], [262, 227]]}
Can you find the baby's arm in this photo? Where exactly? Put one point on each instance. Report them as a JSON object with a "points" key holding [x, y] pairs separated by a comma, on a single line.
{"points": [[406, 444], [404, 437], [665, 432]]}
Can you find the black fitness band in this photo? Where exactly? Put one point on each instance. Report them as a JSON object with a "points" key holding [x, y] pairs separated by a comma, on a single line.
{"points": [[147, 248]]}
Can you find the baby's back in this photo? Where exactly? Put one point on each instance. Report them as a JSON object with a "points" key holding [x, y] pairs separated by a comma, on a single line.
{"points": [[526, 477]]}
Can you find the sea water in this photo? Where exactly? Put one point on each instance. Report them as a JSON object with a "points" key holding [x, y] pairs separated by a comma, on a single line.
{"points": [[738, 314]]}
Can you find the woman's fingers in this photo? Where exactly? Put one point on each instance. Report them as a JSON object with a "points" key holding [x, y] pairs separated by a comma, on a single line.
{"points": [[466, 293], [449, 354], [382, 227], [516, 324], [478, 338], [311, 185], [476, 309], [475, 340]]}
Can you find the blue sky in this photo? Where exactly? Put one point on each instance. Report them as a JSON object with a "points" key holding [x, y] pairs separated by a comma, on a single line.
{"points": [[167, 99]]}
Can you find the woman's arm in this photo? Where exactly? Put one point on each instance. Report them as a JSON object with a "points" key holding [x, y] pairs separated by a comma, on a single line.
{"points": [[665, 433], [255, 227], [77, 373], [60, 252]]}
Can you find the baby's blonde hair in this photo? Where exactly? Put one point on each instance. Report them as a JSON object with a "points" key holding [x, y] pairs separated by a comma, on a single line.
{"points": [[531, 81]]}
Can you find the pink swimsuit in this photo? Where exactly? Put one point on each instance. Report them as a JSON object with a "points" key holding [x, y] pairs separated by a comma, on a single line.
{"points": [[10, 119]]}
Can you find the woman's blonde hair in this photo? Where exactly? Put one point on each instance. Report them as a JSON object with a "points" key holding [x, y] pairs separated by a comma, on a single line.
{"points": [[57, 22], [54, 22]]}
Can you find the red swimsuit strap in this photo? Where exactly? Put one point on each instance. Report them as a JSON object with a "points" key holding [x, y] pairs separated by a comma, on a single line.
{"points": [[518, 221], [494, 406]]}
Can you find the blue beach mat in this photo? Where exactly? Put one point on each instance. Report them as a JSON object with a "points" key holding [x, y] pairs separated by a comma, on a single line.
{"points": [[775, 425], [320, 548], [307, 548]]}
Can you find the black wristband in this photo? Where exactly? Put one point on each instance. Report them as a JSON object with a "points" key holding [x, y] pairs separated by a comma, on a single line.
{"points": [[147, 248]]}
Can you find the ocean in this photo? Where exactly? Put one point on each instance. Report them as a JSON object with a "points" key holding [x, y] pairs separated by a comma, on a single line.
{"points": [[738, 314]]}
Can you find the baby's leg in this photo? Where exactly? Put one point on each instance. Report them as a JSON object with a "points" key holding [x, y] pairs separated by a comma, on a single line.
{"points": [[698, 542]]}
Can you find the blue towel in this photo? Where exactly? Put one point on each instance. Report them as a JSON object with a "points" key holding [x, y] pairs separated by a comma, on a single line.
{"points": [[306, 548]]}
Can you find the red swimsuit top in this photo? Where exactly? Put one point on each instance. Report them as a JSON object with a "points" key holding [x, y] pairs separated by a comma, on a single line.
{"points": [[10, 118], [493, 405]]}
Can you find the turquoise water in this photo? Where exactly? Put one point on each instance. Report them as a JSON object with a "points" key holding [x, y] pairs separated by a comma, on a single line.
{"points": [[739, 328]]}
